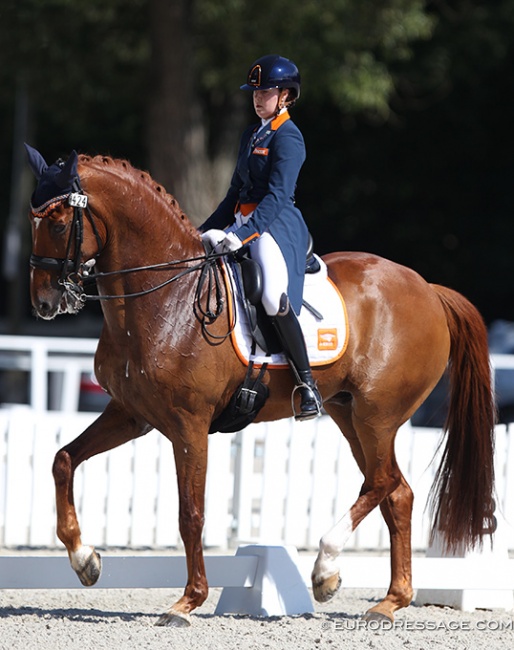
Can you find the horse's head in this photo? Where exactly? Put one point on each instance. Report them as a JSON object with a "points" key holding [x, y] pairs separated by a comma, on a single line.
{"points": [[59, 247]]}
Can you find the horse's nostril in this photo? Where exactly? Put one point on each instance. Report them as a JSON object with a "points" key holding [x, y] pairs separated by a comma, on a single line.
{"points": [[43, 309]]}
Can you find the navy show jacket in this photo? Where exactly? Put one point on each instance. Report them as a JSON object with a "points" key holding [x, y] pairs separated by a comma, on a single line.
{"points": [[265, 178]]}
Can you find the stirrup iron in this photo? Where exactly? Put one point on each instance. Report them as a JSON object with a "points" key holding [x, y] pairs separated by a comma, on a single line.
{"points": [[302, 416]]}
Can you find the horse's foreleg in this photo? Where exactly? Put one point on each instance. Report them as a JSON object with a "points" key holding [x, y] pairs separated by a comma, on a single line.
{"points": [[191, 463], [111, 429]]}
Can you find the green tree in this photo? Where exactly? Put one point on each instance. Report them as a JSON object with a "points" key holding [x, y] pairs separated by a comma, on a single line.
{"points": [[83, 62], [431, 187], [405, 108], [345, 50], [80, 68], [158, 79]]}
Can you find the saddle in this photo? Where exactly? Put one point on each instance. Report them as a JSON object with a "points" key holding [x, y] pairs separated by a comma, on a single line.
{"points": [[248, 277], [252, 394]]}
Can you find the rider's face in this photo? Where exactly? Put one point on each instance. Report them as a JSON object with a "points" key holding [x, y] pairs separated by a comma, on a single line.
{"points": [[265, 102]]}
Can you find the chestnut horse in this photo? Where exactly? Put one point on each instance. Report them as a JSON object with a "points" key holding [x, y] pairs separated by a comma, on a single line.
{"points": [[163, 370]]}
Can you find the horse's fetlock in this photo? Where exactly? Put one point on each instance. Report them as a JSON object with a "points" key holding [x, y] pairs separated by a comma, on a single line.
{"points": [[198, 593]]}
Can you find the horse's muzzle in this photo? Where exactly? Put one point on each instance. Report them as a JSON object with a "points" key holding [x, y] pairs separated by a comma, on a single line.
{"points": [[50, 301], [48, 306]]}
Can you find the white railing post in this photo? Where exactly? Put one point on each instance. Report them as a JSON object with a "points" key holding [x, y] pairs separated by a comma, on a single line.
{"points": [[39, 377], [243, 473]]}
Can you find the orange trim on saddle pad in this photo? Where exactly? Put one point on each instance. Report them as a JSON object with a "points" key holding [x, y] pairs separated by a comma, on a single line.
{"points": [[330, 341]]}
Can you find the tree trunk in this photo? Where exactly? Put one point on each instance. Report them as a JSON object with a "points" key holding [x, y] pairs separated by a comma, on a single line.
{"points": [[175, 133], [177, 127]]}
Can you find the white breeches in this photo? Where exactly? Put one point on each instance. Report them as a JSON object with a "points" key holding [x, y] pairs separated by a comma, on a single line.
{"points": [[275, 279]]}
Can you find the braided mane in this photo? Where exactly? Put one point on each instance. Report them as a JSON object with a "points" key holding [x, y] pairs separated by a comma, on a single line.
{"points": [[135, 176]]}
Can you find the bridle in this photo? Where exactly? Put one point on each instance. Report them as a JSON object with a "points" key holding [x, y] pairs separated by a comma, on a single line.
{"points": [[74, 274], [69, 264]]}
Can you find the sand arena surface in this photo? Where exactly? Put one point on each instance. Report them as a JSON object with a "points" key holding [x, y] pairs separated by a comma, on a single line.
{"points": [[122, 619]]}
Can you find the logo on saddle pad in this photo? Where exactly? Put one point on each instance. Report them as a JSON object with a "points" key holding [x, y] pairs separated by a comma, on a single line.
{"points": [[327, 339]]}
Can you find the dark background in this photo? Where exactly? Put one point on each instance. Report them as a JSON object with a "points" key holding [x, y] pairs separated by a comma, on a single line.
{"points": [[408, 131]]}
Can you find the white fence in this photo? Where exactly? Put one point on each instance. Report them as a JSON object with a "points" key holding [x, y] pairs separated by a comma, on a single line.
{"points": [[53, 366], [274, 483]]}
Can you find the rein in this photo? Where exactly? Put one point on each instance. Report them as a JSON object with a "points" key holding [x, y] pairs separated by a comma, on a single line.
{"points": [[152, 267], [209, 274], [74, 273]]}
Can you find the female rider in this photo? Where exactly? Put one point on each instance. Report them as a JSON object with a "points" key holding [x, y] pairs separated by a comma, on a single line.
{"points": [[259, 212]]}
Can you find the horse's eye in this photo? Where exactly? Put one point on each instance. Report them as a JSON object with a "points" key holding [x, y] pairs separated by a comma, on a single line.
{"points": [[59, 228]]}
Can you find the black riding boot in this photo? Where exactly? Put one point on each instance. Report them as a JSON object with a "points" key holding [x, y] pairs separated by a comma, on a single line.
{"points": [[291, 336]]}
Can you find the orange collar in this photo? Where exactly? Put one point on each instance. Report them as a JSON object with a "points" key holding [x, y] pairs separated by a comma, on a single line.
{"points": [[279, 120]]}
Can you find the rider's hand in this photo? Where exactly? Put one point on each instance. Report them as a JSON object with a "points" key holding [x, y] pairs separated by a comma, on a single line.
{"points": [[229, 244], [211, 238], [220, 241]]}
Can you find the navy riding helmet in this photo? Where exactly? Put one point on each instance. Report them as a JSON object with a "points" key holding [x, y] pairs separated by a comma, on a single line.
{"points": [[273, 71]]}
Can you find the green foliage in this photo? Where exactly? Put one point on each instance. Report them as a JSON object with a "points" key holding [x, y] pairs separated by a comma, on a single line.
{"points": [[429, 188], [406, 109], [83, 63], [86, 61], [344, 48]]}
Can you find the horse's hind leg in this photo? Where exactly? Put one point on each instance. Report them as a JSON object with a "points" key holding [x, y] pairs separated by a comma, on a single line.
{"points": [[111, 429], [384, 485], [397, 510]]}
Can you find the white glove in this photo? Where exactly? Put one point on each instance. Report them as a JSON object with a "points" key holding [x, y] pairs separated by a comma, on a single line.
{"points": [[220, 241], [212, 237], [229, 244]]}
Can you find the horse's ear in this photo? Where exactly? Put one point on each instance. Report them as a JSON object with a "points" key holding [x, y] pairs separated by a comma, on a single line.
{"points": [[36, 161], [69, 171]]}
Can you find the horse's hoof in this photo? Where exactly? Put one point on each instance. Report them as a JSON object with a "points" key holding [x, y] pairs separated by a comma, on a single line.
{"points": [[324, 590], [88, 566], [376, 617], [174, 619]]}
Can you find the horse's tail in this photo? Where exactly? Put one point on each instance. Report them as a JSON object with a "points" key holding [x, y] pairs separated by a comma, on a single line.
{"points": [[461, 498]]}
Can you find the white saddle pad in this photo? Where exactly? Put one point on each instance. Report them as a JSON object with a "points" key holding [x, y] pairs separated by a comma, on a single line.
{"points": [[326, 337]]}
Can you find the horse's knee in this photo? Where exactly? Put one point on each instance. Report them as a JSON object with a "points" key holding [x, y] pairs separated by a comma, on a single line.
{"points": [[62, 467]]}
